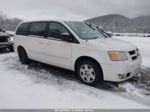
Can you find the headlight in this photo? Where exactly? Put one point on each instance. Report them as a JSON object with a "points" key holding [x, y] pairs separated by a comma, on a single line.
{"points": [[117, 56], [11, 39]]}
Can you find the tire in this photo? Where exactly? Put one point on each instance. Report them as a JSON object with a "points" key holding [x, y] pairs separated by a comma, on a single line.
{"points": [[23, 56], [11, 48], [89, 73]]}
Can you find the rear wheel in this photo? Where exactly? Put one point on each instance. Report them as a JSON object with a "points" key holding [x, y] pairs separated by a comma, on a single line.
{"points": [[23, 56], [89, 73]]}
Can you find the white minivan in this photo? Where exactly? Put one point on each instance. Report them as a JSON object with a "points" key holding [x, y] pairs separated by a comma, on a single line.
{"points": [[78, 47]]}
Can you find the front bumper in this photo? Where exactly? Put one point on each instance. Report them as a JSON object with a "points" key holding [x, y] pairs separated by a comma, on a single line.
{"points": [[121, 71], [5, 44]]}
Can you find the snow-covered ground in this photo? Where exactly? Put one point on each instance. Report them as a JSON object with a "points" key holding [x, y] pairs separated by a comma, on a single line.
{"points": [[132, 34], [40, 86]]}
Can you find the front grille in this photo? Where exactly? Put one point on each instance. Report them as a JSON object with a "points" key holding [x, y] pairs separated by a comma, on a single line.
{"points": [[134, 58], [3, 39], [134, 54]]}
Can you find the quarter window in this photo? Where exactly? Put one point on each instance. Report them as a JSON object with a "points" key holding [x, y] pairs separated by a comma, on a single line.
{"points": [[38, 29]]}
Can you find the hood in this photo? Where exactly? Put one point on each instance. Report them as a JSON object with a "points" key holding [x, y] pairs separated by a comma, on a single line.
{"points": [[111, 44], [3, 34]]}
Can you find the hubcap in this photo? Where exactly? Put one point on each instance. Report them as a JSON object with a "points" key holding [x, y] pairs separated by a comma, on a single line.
{"points": [[87, 73]]}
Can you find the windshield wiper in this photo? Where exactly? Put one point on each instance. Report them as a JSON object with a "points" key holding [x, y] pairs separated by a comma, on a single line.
{"points": [[90, 38], [95, 27]]}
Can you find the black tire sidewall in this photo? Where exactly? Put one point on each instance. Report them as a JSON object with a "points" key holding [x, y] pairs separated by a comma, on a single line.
{"points": [[97, 70], [23, 56]]}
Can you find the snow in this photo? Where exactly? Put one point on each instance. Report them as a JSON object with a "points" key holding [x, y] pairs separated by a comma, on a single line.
{"points": [[132, 34], [30, 87]]}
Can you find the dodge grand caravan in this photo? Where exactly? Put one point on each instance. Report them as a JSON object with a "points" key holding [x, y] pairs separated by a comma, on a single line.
{"points": [[78, 47]]}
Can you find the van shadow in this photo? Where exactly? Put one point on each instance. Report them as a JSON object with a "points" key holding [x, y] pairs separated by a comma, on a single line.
{"points": [[45, 72]]}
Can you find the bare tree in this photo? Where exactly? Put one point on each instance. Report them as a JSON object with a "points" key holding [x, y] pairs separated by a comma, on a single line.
{"points": [[7, 23]]}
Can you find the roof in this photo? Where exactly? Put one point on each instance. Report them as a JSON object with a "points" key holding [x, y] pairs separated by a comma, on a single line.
{"points": [[57, 20]]}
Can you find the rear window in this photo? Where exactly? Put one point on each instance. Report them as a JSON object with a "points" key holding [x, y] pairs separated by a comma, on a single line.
{"points": [[38, 29], [22, 29]]}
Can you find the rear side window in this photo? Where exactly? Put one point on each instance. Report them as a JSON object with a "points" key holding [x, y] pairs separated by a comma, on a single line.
{"points": [[38, 29], [22, 29]]}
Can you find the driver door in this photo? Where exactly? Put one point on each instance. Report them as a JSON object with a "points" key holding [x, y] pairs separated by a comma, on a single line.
{"points": [[57, 51]]}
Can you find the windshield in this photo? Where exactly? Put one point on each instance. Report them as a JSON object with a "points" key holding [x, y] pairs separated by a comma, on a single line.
{"points": [[84, 31]]}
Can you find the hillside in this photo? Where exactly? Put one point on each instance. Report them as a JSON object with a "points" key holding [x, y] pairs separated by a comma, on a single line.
{"points": [[120, 23]]}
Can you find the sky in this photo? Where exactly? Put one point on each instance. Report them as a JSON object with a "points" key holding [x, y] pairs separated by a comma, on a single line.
{"points": [[73, 9]]}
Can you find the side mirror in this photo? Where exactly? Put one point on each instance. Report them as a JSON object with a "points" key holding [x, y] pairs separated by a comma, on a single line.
{"points": [[110, 34], [66, 37]]}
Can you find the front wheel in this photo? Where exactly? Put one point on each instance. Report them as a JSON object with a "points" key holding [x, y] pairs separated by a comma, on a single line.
{"points": [[89, 73]]}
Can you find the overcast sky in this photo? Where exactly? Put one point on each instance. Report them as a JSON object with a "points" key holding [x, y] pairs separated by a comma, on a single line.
{"points": [[73, 9]]}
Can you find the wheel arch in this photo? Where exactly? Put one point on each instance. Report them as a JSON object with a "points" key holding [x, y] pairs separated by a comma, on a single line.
{"points": [[20, 47], [89, 59]]}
